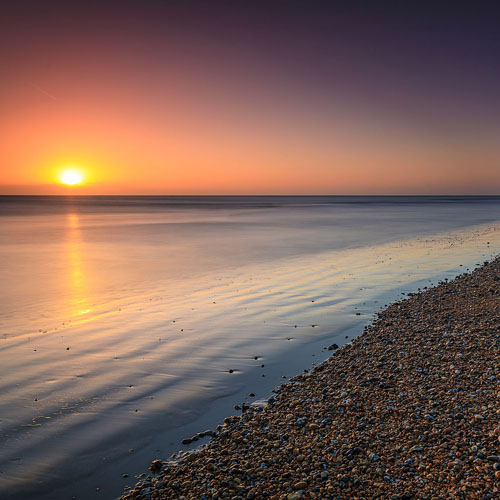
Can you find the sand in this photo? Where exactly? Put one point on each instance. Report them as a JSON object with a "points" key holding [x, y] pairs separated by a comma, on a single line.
{"points": [[409, 409]]}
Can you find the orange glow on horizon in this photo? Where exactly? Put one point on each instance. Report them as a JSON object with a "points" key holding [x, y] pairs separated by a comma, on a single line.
{"points": [[221, 103]]}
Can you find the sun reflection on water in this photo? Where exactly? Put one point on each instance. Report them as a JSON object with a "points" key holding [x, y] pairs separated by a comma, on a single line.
{"points": [[76, 270]]}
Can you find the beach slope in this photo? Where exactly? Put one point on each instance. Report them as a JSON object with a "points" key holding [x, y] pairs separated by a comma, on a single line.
{"points": [[409, 409]]}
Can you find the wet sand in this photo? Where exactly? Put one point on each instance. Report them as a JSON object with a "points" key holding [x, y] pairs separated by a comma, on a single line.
{"points": [[409, 409]]}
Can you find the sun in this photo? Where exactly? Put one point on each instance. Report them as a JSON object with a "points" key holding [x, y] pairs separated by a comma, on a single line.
{"points": [[71, 177]]}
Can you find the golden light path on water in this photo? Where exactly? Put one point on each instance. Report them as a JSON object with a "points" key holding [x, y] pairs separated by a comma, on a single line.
{"points": [[77, 291]]}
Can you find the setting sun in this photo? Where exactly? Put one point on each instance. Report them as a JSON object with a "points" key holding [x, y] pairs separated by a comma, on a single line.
{"points": [[71, 177]]}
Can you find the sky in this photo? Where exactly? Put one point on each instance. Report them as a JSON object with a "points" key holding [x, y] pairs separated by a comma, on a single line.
{"points": [[250, 97]]}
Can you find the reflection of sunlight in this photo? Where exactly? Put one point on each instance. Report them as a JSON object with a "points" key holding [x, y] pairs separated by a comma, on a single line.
{"points": [[76, 272]]}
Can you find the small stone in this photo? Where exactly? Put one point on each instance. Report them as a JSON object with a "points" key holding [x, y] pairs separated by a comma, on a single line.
{"points": [[155, 465], [300, 485]]}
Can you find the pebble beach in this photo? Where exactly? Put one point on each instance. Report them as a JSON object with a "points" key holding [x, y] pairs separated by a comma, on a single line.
{"points": [[409, 409]]}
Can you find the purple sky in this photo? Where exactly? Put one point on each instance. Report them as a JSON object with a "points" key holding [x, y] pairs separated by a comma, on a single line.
{"points": [[277, 96]]}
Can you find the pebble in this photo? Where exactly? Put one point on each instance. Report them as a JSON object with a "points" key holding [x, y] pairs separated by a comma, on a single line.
{"points": [[155, 465]]}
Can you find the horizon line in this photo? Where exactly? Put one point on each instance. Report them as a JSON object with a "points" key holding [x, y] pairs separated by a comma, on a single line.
{"points": [[65, 195]]}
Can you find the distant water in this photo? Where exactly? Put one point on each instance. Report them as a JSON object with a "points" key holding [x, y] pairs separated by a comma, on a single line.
{"points": [[129, 322]]}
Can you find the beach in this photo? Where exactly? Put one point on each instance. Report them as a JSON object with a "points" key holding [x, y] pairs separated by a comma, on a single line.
{"points": [[408, 409], [130, 324]]}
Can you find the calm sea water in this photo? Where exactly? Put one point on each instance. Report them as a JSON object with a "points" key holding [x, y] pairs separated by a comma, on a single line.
{"points": [[128, 323]]}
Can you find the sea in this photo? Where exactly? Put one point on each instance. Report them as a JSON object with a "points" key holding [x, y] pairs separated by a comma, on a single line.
{"points": [[128, 323]]}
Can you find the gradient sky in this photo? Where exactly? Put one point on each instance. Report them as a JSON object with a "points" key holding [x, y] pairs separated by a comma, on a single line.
{"points": [[276, 97]]}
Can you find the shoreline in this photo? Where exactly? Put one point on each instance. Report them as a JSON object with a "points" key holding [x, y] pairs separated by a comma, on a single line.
{"points": [[365, 280], [406, 410]]}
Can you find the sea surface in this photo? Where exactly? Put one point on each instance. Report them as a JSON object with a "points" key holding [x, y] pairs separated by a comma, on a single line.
{"points": [[130, 322]]}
